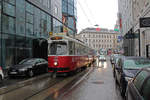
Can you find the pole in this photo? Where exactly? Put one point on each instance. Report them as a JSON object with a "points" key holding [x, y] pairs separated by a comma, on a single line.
{"points": [[139, 43]]}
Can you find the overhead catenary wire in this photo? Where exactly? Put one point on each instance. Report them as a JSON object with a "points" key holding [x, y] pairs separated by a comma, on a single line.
{"points": [[85, 13], [90, 11]]}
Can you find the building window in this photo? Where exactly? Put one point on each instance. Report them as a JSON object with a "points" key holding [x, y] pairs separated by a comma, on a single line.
{"points": [[37, 22], [29, 19], [20, 17], [8, 24], [56, 10], [9, 9]]}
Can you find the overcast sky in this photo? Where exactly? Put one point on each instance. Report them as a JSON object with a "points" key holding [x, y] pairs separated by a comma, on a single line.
{"points": [[101, 12]]}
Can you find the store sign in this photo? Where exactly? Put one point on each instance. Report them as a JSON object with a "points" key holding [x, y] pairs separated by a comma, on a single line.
{"points": [[145, 22], [131, 36], [60, 34]]}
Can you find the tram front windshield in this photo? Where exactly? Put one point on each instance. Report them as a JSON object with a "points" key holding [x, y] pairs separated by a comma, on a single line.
{"points": [[58, 48]]}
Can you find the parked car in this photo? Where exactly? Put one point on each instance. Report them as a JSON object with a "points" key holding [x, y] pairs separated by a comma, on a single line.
{"points": [[29, 67], [115, 63], [139, 87], [1, 74], [127, 68], [113, 57], [102, 58]]}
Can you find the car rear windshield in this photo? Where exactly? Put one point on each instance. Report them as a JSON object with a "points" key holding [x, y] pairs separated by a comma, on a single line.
{"points": [[136, 63]]}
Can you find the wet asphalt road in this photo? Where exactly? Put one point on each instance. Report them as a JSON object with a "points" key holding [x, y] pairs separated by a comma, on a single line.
{"points": [[95, 83], [99, 85]]}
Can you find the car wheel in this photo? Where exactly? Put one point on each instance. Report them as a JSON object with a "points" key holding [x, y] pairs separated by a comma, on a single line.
{"points": [[30, 73], [114, 73], [122, 90], [1, 79], [46, 70]]}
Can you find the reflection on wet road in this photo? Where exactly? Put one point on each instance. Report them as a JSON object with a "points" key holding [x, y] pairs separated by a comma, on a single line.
{"points": [[100, 85], [95, 83]]}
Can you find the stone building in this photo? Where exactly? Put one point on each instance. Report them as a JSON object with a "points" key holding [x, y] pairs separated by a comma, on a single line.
{"points": [[99, 38], [136, 39]]}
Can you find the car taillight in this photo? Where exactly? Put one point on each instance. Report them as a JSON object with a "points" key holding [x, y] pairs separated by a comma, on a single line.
{"points": [[0, 68]]}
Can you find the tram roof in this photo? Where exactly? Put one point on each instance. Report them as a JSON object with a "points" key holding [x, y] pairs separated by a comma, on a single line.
{"points": [[62, 37]]}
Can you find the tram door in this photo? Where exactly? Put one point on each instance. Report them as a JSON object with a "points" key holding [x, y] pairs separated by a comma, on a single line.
{"points": [[39, 49]]}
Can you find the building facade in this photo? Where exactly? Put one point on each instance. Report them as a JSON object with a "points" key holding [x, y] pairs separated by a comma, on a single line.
{"points": [[69, 16], [141, 9], [23, 21], [136, 39], [98, 39], [125, 16]]}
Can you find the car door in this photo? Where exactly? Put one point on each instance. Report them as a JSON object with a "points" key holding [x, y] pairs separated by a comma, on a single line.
{"points": [[43, 65], [119, 70], [38, 66], [135, 87], [145, 92]]}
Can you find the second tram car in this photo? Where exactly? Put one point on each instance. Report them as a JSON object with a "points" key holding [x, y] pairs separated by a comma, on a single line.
{"points": [[67, 55]]}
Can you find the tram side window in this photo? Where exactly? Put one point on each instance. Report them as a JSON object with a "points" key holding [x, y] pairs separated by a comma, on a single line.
{"points": [[77, 49], [71, 48]]}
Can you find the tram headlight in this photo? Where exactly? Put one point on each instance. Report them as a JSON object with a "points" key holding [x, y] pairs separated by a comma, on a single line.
{"points": [[55, 63]]}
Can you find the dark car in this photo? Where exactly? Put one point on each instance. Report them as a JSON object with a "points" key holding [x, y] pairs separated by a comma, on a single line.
{"points": [[29, 67], [127, 68], [139, 87], [115, 63], [113, 57]]}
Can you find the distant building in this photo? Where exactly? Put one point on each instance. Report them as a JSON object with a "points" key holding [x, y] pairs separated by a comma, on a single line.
{"points": [[99, 38]]}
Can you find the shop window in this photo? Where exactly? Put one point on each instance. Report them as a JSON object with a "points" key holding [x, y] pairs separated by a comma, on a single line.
{"points": [[8, 50]]}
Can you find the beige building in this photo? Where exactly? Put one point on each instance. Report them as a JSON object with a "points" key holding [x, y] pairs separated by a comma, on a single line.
{"points": [[130, 11], [97, 38], [141, 9]]}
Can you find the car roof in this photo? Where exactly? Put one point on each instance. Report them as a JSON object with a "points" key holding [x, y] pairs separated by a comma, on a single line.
{"points": [[132, 57], [146, 69], [32, 58]]}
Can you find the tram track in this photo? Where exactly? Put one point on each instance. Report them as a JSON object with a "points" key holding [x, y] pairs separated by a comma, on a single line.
{"points": [[51, 85], [57, 88], [21, 84], [34, 87]]}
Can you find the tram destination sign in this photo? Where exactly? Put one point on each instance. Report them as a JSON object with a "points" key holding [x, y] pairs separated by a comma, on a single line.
{"points": [[145, 22]]}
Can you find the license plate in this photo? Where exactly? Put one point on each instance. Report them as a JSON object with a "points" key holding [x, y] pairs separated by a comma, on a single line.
{"points": [[13, 72]]}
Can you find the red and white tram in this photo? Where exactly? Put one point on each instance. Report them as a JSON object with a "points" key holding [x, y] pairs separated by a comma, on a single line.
{"points": [[66, 54]]}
